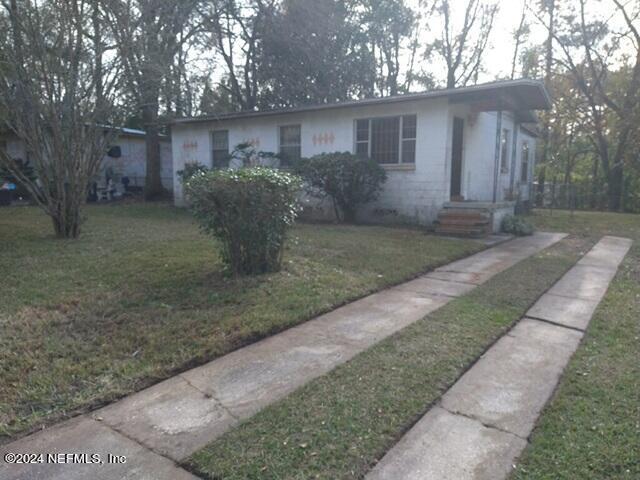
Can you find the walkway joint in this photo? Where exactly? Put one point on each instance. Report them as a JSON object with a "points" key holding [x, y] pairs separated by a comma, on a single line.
{"points": [[555, 324]]}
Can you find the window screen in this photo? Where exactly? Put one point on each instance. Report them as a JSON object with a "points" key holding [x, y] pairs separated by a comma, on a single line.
{"points": [[524, 168], [220, 142], [362, 138], [387, 140], [504, 150], [290, 144], [409, 139]]}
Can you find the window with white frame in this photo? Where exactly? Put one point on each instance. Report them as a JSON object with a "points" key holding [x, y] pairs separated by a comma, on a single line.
{"points": [[387, 140], [220, 148], [524, 163], [504, 150], [290, 144]]}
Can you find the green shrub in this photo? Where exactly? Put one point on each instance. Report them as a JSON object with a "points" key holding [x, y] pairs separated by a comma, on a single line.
{"points": [[189, 170], [516, 225], [248, 156], [248, 210], [349, 180]]}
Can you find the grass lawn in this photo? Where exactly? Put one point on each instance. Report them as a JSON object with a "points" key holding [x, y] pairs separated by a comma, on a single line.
{"points": [[141, 295], [591, 428], [339, 425]]}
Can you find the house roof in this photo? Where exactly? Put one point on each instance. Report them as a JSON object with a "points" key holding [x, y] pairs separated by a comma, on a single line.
{"points": [[133, 132], [521, 96], [531, 129]]}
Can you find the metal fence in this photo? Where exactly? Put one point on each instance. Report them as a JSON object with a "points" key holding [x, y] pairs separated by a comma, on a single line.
{"points": [[583, 197]]}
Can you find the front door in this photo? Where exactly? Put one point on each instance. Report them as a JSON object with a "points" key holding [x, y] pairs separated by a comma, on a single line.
{"points": [[456, 158]]}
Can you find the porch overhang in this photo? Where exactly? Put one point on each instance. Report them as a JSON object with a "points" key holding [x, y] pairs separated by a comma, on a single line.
{"points": [[522, 98]]}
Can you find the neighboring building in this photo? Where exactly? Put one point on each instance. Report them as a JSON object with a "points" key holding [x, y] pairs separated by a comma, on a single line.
{"points": [[459, 149], [132, 162], [126, 158]]}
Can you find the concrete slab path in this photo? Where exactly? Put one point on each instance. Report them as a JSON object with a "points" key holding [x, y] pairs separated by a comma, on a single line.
{"points": [[177, 417], [483, 421]]}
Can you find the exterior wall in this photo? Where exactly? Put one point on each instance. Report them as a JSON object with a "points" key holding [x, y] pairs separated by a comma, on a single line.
{"points": [[412, 193], [478, 155], [15, 148], [479, 163], [132, 163]]}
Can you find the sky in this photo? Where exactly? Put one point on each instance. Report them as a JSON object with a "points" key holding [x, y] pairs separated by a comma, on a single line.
{"points": [[499, 54]]}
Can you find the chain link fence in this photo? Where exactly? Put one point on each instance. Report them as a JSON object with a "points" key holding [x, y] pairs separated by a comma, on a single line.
{"points": [[582, 197]]}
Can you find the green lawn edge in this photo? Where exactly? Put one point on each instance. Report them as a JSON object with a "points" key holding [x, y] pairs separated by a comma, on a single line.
{"points": [[340, 425]]}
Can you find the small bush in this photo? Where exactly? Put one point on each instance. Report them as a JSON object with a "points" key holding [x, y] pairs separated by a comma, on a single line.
{"points": [[347, 179], [516, 226], [189, 170], [248, 210], [248, 156]]}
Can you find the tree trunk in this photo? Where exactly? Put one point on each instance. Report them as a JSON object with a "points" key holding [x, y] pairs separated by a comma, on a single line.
{"points": [[98, 51], [349, 215], [66, 220], [594, 185], [153, 182], [547, 80], [451, 78], [614, 190]]}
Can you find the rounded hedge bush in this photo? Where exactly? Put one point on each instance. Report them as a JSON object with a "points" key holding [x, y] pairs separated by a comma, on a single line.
{"points": [[248, 210], [349, 180], [516, 226]]}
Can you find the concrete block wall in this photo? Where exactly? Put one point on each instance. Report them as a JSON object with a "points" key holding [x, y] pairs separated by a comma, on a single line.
{"points": [[412, 193], [133, 162]]}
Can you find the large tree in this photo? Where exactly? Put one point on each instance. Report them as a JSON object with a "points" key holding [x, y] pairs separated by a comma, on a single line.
{"points": [[462, 47], [315, 51], [390, 26], [590, 51], [235, 30], [56, 97], [150, 34], [548, 17], [520, 36]]}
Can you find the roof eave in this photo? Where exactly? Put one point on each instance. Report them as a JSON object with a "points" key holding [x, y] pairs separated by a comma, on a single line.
{"points": [[543, 102]]}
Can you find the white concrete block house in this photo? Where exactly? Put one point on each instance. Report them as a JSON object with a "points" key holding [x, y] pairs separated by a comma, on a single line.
{"points": [[457, 149], [132, 161], [127, 157]]}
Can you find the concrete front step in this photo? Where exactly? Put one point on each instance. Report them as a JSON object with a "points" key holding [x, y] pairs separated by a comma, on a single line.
{"points": [[463, 222], [470, 223], [443, 215], [463, 231], [482, 423]]}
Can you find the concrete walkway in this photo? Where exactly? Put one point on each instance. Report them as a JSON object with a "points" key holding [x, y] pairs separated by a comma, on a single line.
{"points": [[171, 420], [482, 423]]}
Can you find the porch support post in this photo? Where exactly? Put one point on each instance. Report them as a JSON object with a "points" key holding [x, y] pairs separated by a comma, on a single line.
{"points": [[496, 165], [514, 152]]}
